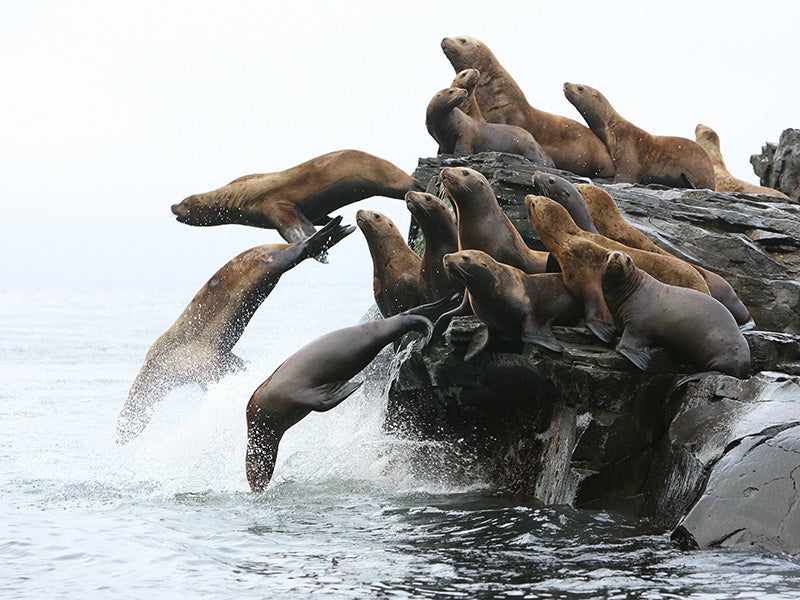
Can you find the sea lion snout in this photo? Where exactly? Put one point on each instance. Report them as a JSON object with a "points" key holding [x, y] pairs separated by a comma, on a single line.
{"points": [[181, 210]]}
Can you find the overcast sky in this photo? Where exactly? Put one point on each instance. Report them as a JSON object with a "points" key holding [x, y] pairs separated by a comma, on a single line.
{"points": [[113, 111]]}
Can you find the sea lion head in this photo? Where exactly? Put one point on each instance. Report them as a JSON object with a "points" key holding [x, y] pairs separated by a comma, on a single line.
{"points": [[619, 278], [550, 185], [704, 133], [551, 220], [589, 102], [470, 267], [198, 210], [463, 51], [422, 204], [461, 182], [376, 226], [446, 100], [467, 79]]}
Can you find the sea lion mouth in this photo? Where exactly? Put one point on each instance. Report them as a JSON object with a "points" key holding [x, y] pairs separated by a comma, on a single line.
{"points": [[181, 212]]}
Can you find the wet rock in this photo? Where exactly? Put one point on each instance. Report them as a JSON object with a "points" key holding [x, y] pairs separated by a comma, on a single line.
{"points": [[778, 166]]}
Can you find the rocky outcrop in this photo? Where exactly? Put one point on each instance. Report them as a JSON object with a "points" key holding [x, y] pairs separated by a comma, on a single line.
{"points": [[778, 166], [586, 427]]}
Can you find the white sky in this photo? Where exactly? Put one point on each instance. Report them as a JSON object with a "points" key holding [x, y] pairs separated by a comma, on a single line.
{"points": [[112, 111]]}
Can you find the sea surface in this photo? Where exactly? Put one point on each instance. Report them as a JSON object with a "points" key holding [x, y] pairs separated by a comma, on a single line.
{"points": [[347, 515]]}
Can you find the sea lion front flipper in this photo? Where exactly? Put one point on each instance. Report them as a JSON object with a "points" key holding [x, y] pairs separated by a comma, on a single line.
{"points": [[462, 310], [290, 222], [478, 343], [541, 335], [326, 396], [634, 350]]}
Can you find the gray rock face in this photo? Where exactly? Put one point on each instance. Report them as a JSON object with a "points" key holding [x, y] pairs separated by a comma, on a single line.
{"points": [[779, 166], [585, 427]]}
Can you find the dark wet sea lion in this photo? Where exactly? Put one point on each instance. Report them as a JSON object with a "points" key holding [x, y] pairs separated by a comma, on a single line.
{"points": [[294, 200], [441, 237], [317, 378], [693, 327], [610, 223], [581, 255], [468, 80], [640, 157], [198, 347], [460, 134], [570, 144], [396, 267], [510, 301], [567, 195], [724, 181]]}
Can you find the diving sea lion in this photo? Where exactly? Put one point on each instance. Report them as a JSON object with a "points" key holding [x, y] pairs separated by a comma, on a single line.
{"points": [[441, 237], [725, 182], [571, 145], [468, 80], [567, 195], [510, 301], [606, 216], [694, 327], [581, 256], [294, 200], [482, 224], [640, 157], [396, 267], [458, 133], [316, 378], [198, 347]]}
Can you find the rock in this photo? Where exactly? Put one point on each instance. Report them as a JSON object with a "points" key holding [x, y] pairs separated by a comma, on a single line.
{"points": [[587, 428], [779, 166]]}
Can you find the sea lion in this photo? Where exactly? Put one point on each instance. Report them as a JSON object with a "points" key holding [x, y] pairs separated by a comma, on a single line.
{"points": [[694, 327], [609, 221], [460, 134], [567, 195], [581, 255], [468, 80], [396, 267], [441, 237], [640, 157], [482, 224], [294, 200], [316, 378], [510, 301], [725, 182], [570, 144], [198, 347]]}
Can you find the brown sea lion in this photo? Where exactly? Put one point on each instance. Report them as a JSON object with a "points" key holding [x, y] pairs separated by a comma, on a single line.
{"points": [[316, 378], [582, 263], [198, 347], [571, 145], [692, 326], [640, 157], [725, 182], [609, 221], [567, 195], [396, 267], [468, 80], [460, 134], [441, 237], [510, 301], [294, 200]]}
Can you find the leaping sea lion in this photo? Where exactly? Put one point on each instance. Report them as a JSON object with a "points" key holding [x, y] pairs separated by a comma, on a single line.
{"points": [[294, 200], [725, 182], [395, 266], [510, 301], [694, 327], [441, 237], [460, 134], [640, 157], [317, 378], [198, 347], [570, 144], [609, 221]]}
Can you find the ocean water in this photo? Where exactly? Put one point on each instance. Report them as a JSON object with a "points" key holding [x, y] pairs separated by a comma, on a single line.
{"points": [[350, 512]]}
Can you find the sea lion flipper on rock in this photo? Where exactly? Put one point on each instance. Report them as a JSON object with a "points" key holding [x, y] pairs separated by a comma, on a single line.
{"points": [[462, 310], [326, 396], [632, 348], [539, 334]]}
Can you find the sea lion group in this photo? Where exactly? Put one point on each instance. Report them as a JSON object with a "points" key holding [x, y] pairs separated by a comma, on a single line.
{"points": [[596, 267]]}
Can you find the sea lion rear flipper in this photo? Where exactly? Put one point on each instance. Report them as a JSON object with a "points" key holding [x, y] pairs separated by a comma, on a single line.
{"points": [[319, 242], [328, 395], [442, 322], [634, 350], [478, 343], [541, 335]]}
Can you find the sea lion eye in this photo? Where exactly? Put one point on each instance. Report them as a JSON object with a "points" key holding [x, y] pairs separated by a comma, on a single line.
{"points": [[580, 88], [463, 40], [464, 172], [551, 181], [377, 217]]}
